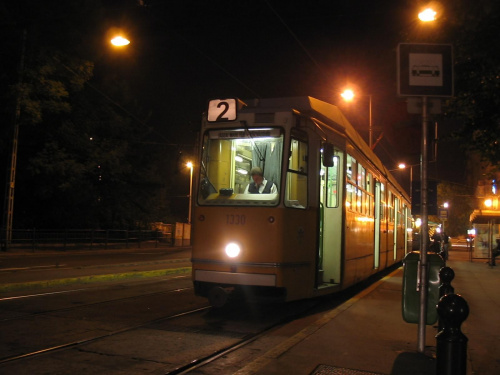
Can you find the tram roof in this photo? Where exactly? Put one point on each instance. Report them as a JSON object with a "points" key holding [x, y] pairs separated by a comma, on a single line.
{"points": [[316, 108], [327, 113]]}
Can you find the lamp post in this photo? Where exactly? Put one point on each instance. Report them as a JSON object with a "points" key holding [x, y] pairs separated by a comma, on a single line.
{"points": [[190, 166], [348, 95], [446, 205], [404, 166]]}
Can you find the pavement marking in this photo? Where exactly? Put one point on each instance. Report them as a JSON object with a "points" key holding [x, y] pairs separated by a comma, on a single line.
{"points": [[259, 363], [32, 267], [41, 294]]}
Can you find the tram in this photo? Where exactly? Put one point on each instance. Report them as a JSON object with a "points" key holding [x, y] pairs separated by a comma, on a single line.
{"points": [[336, 215]]}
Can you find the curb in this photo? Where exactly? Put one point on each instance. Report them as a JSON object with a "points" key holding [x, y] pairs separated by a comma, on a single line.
{"points": [[93, 279]]}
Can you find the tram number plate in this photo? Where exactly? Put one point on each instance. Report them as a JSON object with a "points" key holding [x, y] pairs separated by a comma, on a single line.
{"points": [[222, 110], [235, 219]]}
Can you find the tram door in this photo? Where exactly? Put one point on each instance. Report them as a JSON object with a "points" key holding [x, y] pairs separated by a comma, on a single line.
{"points": [[376, 249], [330, 241]]}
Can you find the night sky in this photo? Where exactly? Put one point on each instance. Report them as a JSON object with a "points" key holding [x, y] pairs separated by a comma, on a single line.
{"points": [[186, 52]]}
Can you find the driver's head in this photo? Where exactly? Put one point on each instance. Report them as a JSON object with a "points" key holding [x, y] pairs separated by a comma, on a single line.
{"points": [[257, 176]]}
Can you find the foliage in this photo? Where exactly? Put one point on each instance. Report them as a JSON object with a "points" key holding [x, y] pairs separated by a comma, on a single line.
{"points": [[461, 204], [474, 27]]}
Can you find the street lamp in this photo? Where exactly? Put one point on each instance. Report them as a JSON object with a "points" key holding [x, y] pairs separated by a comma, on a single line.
{"points": [[431, 12], [444, 214], [190, 166], [348, 95], [427, 15], [120, 41], [404, 166]]}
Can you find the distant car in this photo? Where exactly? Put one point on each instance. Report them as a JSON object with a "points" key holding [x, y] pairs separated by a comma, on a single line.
{"points": [[425, 71]]}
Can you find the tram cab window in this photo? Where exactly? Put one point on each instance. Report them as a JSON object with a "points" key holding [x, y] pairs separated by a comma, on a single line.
{"points": [[227, 158], [296, 177]]}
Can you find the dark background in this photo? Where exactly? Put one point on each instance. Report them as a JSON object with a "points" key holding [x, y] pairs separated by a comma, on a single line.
{"points": [[181, 55]]}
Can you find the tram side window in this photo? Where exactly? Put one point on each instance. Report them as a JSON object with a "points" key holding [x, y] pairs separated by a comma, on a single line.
{"points": [[361, 177], [332, 176], [382, 202], [296, 187], [361, 182], [391, 207], [369, 189], [351, 169], [351, 191]]}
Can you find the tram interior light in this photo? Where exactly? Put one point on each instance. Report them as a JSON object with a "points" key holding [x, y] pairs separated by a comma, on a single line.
{"points": [[418, 223]]}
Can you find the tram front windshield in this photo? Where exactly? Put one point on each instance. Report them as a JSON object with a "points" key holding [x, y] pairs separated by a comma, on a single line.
{"points": [[227, 161]]}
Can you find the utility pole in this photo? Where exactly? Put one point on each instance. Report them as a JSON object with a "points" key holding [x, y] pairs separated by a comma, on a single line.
{"points": [[424, 282], [11, 182]]}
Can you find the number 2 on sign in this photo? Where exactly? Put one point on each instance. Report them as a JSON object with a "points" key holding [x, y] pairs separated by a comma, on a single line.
{"points": [[222, 110]]}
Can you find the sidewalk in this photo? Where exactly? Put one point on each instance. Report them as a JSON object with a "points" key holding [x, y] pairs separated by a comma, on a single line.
{"points": [[367, 334]]}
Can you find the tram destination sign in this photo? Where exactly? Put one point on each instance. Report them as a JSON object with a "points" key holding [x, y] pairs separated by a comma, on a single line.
{"points": [[425, 70]]}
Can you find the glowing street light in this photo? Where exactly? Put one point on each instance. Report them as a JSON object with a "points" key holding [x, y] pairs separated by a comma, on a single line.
{"points": [[190, 166], [120, 41], [348, 95], [427, 15]]}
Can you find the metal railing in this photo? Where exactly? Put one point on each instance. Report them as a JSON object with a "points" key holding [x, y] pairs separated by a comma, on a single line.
{"points": [[84, 239]]}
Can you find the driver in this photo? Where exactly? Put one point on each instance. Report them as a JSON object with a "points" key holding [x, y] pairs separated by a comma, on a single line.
{"points": [[260, 185]]}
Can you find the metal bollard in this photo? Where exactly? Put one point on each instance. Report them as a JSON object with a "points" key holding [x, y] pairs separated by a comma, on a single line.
{"points": [[446, 275], [451, 345]]}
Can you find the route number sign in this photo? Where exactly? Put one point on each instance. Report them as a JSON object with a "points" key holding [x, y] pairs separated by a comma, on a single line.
{"points": [[222, 110]]}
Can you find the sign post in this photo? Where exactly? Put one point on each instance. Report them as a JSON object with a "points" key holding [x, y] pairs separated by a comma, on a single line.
{"points": [[424, 70]]}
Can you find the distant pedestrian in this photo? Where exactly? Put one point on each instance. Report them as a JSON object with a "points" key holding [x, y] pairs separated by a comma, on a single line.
{"points": [[494, 253], [435, 245], [446, 245]]}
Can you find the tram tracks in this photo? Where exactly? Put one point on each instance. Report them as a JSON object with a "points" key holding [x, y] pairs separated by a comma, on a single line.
{"points": [[96, 338], [69, 308], [200, 362], [181, 334], [211, 334]]}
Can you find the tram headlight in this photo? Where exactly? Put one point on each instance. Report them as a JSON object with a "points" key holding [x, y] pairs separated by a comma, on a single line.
{"points": [[233, 250]]}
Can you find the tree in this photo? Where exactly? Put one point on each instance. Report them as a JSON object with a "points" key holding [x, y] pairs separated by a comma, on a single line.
{"points": [[477, 76], [461, 204]]}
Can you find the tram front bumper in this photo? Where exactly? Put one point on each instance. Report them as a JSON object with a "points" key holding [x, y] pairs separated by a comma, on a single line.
{"points": [[235, 278]]}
